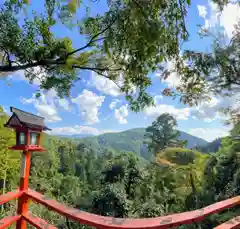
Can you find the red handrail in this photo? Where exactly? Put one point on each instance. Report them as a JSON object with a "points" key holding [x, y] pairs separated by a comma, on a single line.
{"points": [[37, 222], [233, 223], [110, 222], [9, 220], [9, 196], [114, 223]]}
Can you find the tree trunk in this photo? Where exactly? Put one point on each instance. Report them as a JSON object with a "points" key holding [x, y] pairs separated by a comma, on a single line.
{"points": [[194, 190]]}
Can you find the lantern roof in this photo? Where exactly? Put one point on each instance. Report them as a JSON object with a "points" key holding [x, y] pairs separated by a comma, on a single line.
{"points": [[23, 118]]}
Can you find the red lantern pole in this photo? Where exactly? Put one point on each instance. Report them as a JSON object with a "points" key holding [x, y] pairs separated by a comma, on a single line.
{"points": [[23, 200]]}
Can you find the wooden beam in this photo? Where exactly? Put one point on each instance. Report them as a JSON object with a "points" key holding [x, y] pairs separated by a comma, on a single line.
{"points": [[231, 224], [10, 196], [37, 222], [114, 223], [7, 221]]}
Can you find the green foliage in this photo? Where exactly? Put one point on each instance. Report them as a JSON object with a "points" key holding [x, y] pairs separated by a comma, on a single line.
{"points": [[130, 39], [212, 147], [9, 160], [160, 134], [180, 156], [132, 140], [212, 73]]}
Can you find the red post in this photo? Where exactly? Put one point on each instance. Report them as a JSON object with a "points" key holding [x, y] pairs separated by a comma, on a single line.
{"points": [[23, 200]]}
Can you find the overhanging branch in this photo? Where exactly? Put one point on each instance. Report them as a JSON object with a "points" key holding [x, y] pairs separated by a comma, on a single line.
{"points": [[93, 39], [96, 69]]}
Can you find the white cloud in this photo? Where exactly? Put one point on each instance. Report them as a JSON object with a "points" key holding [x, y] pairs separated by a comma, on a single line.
{"points": [[209, 134], [49, 101], [209, 111], [46, 105], [109, 87], [114, 103], [178, 113], [206, 111], [202, 10], [229, 17], [173, 80], [215, 19], [226, 19], [157, 98], [48, 112], [64, 103], [28, 101], [89, 104], [71, 130], [20, 75], [121, 114], [105, 85]]}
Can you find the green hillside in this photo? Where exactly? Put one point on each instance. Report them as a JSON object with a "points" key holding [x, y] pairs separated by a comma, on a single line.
{"points": [[131, 140]]}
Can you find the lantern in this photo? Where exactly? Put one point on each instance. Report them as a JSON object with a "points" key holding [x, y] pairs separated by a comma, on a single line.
{"points": [[28, 128]]}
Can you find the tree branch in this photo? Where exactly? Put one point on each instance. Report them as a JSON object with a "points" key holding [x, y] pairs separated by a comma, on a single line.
{"points": [[68, 224], [13, 68], [8, 57], [93, 39], [96, 69], [84, 47], [106, 76], [9, 60]]}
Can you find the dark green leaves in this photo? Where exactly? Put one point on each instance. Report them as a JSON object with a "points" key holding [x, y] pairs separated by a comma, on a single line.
{"points": [[160, 134]]}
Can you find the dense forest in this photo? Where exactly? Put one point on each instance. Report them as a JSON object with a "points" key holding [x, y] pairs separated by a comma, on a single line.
{"points": [[124, 184], [133, 140]]}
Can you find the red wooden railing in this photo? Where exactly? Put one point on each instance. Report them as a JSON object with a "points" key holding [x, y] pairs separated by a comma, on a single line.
{"points": [[110, 222]]}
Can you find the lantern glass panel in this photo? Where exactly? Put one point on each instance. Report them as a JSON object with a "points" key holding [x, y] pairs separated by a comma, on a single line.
{"points": [[22, 138], [34, 138]]}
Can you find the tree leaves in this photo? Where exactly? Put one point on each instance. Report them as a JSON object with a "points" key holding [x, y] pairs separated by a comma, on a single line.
{"points": [[160, 134], [207, 74], [130, 40]]}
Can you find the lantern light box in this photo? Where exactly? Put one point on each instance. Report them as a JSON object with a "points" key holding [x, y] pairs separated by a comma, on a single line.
{"points": [[28, 129]]}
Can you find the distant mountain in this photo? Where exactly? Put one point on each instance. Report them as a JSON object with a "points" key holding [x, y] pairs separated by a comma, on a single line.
{"points": [[132, 140], [212, 147], [193, 141]]}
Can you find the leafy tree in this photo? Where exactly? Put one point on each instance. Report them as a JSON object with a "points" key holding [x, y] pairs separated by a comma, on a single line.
{"points": [[9, 161], [125, 43], [160, 134], [205, 74], [220, 181]]}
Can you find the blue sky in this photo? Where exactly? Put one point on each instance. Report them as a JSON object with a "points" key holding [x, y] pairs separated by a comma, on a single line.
{"points": [[96, 105]]}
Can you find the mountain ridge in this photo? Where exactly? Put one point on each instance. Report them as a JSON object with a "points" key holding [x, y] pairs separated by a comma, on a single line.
{"points": [[133, 129], [130, 140]]}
